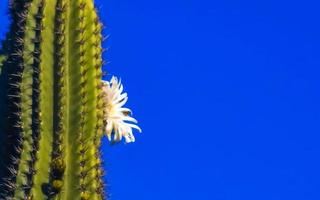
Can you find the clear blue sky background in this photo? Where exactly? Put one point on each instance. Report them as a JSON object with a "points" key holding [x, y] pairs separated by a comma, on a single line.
{"points": [[227, 94]]}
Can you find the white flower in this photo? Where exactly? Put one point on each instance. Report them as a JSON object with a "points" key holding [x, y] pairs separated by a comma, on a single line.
{"points": [[118, 122]]}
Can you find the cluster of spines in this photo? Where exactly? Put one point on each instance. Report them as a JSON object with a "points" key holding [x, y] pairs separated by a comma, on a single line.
{"points": [[58, 160], [30, 94], [83, 148], [36, 119], [99, 129], [14, 126], [90, 171]]}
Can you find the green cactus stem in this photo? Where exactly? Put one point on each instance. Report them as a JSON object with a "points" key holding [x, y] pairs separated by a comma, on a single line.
{"points": [[51, 102]]}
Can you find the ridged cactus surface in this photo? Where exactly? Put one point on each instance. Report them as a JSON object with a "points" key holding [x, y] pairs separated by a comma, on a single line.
{"points": [[51, 102]]}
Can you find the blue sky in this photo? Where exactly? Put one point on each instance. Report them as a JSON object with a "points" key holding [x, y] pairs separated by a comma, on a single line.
{"points": [[227, 95]]}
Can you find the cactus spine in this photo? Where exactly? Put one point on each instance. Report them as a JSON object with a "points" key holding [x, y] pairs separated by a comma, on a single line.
{"points": [[51, 119]]}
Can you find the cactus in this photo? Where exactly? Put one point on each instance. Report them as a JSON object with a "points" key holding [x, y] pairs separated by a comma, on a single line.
{"points": [[52, 102]]}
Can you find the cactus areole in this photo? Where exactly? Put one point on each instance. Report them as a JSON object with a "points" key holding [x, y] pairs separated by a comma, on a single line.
{"points": [[54, 106]]}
